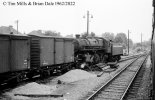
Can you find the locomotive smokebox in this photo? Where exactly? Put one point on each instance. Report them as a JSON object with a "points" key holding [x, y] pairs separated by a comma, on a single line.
{"points": [[77, 36]]}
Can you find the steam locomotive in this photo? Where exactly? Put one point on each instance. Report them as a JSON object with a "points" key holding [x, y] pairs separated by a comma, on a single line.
{"points": [[25, 56], [99, 49]]}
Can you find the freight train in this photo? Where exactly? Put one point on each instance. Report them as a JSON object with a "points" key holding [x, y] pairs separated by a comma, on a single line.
{"points": [[25, 56]]}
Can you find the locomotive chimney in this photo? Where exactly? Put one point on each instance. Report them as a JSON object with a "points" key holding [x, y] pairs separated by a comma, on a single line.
{"points": [[77, 36]]}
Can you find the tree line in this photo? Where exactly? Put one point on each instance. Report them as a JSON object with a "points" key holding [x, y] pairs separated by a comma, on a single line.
{"points": [[120, 38]]}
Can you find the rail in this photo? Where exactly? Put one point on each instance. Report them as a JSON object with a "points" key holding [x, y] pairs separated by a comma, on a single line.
{"points": [[130, 57]]}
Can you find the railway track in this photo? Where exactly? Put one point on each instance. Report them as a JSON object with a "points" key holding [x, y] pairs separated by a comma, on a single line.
{"points": [[117, 87], [130, 57], [132, 91]]}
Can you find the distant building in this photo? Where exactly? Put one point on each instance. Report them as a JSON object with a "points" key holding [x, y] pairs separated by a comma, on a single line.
{"points": [[8, 30], [37, 32]]}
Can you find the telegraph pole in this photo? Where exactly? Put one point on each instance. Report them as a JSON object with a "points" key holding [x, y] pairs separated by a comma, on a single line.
{"points": [[128, 42], [141, 41], [17, 26]]}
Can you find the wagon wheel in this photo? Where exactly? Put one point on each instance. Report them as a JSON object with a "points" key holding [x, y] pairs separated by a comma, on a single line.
{"points": [[18, 78]]}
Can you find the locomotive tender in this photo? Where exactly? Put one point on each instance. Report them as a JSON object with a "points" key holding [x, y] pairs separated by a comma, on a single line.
{"points": [[24, 56]]}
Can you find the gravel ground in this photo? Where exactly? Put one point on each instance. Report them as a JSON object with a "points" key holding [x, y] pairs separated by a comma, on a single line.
{"points": [[143, 92], [77, 90]]}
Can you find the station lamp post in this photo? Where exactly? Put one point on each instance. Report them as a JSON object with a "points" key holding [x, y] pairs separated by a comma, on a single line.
{"points": [[88, 20]]}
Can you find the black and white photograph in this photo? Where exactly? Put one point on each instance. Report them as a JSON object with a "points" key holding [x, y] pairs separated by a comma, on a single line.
{"points": [[77, 49]]}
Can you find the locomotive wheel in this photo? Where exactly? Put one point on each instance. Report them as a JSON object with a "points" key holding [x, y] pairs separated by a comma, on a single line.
{"points": [[18, 79], [119, 57], [96, 58], [21, 77], [104, 58], [114, 59], [45, 73]]}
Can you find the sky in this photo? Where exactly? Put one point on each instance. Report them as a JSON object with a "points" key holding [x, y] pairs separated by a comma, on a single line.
{"points": [[108, 16]]}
